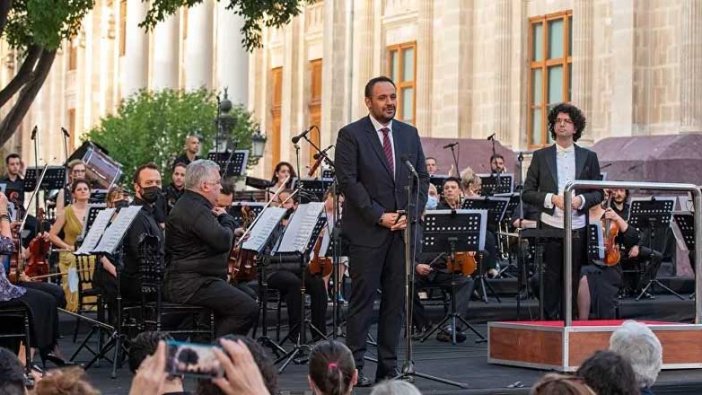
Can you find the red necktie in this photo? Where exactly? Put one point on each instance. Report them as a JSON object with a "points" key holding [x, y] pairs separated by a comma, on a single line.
{"points": [[387, 148]]}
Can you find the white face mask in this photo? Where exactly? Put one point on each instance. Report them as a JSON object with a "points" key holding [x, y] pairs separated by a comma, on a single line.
{"points": [[432, 202]]}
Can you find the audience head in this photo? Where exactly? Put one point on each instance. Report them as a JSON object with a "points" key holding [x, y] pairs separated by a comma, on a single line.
{"points": [[637, 343], [65, 381], [263, 361], [332, 370], [143, 345], [395, 387], [11, 374], [202, 177], [608, 373], [561, 384], [576, 117], [178, 175]]}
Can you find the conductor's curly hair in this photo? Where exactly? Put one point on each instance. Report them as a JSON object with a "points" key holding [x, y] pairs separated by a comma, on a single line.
{"points": [[575, 114]]}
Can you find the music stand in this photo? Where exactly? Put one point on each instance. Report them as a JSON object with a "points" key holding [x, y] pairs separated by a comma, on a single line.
{"points": [[328, 173], [55, 178], [231, 163], [459, 230], [110, 244], [493, 184], [314, 189], [93, 211], [298, 239], [504, 228], [653, 214], [438, 182], [686, 224]]}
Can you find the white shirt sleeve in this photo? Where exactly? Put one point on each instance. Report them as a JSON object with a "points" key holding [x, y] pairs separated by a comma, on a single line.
{"points": [[547, 202]]}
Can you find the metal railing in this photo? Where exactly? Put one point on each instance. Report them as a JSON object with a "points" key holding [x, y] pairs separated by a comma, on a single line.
{"points": [[568, 236]]}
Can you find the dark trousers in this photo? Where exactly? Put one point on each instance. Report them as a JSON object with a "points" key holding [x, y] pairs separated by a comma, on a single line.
{"points": [[52, 289], [372, 268], [553, 273], [463, 287], [288, 284], [235, 312]]}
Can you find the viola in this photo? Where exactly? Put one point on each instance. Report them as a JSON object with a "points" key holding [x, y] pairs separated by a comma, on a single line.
{"points": [[612, 254], [15, 271], [37, 264], [462, 262], [242, 263]]}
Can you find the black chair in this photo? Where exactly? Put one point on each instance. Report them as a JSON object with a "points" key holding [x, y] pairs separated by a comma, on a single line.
{"points": [[12, 311], [152, 309], [89, 297]]}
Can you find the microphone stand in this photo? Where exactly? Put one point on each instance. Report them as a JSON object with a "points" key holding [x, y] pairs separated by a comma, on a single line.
{"points": [[493, 173], [66, 136], [455, 160], [408, 371]]}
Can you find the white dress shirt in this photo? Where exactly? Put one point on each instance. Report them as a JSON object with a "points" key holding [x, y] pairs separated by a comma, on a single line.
{"points": [[565, 165], [377, 125]]}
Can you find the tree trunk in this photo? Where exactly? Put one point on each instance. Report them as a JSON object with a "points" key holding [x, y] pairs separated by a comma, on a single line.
{"points": [[22, 76], [13, 119]]}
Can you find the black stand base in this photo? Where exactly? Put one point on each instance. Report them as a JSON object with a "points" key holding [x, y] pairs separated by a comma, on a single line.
{"points": [[485, 287], [301, 350], [452, 317], [650, 285], [118, 342], [409, 373]]}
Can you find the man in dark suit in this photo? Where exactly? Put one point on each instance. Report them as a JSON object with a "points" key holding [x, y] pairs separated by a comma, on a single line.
{"points": [[550, 170], [371, 156]]}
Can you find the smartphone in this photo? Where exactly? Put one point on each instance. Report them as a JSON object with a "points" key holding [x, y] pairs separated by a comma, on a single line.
{"points": [[192, 359], [400, 214]]}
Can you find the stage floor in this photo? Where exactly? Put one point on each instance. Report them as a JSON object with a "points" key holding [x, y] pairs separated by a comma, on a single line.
{"points": [[466, 362]]}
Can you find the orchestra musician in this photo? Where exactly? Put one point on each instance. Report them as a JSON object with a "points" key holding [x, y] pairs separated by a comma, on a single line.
{"points": [[371, 158], [285, 275], [14, 180], [600, 281], [76, 171], [550, 170], [432, 167], [497, 164], [198, 246], [191, 149], [325, 237], [283, 171], [71, 221], [176, 188]]}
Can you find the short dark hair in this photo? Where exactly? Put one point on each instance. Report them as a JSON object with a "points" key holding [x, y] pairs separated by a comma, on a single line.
{"points": [[331, 367], [11, 373], [143, 345], [575, 115], [263, 361], [178, 164], [451, 179], [227, 188], [11, 156], [493, 157], [75, 183], [137, 172], [608, 373], [371, 83]]}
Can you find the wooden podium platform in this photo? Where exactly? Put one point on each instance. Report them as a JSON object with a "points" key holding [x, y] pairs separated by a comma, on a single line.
{"points": [[548, 345]]}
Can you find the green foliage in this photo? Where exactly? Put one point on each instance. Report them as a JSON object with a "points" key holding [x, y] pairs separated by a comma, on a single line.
{"points": [[44, 22], [256, 13], [152, 126]]}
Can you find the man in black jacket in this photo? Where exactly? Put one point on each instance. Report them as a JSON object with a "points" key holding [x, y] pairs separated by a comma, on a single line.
{"points": [[199, 242], [550, 171]]}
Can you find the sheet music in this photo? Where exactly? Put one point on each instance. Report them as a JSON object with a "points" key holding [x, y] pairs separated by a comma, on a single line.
{"points": [[267, 221], [299, 230], [95, 233], [115, 232]]}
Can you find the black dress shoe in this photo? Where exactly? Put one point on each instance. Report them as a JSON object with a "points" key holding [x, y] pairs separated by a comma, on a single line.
{"points": [[363, 381]]}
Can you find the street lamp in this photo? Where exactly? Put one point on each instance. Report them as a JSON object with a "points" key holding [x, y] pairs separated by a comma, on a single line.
{"points": [[258, 144], [225, 123]]}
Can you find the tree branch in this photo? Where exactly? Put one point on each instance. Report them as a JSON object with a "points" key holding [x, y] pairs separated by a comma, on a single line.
{"points": [[27, 95], [22, 76], [5, 7]]}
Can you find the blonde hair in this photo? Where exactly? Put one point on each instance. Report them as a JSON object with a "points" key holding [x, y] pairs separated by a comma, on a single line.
{"points": [[65, 381], [467, 176]]}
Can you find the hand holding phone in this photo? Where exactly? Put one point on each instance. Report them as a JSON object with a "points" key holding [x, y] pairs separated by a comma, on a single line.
{"points": [[191, 359]]}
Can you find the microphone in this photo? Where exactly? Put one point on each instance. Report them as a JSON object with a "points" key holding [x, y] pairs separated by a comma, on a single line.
{"points": [[318, 161], [407, 163], [491, 137], [317, 155], [447, 146], [34, 132], [301, 135], [65, 132]]}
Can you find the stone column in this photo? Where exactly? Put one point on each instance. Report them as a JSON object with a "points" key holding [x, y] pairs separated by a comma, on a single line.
{"points": [[165, 65], [425, 22], [691, 67], [581, 68], [198, 46], [232, 58], [334, 72], [136, 57], [503, 57], [622, 107]]}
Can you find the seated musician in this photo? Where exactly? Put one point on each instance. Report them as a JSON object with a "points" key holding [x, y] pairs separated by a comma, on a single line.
{"points": [[458, 188], [285, 275], [283, 171], [325, 240], [432, 270], [599, 283], [76, 171], [175, 189], [198, 245]]}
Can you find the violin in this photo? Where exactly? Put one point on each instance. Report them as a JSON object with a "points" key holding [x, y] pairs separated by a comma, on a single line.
{"points": [[38, 250], [15, 271], [463, 262], [242, 263], [612, 254]]}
